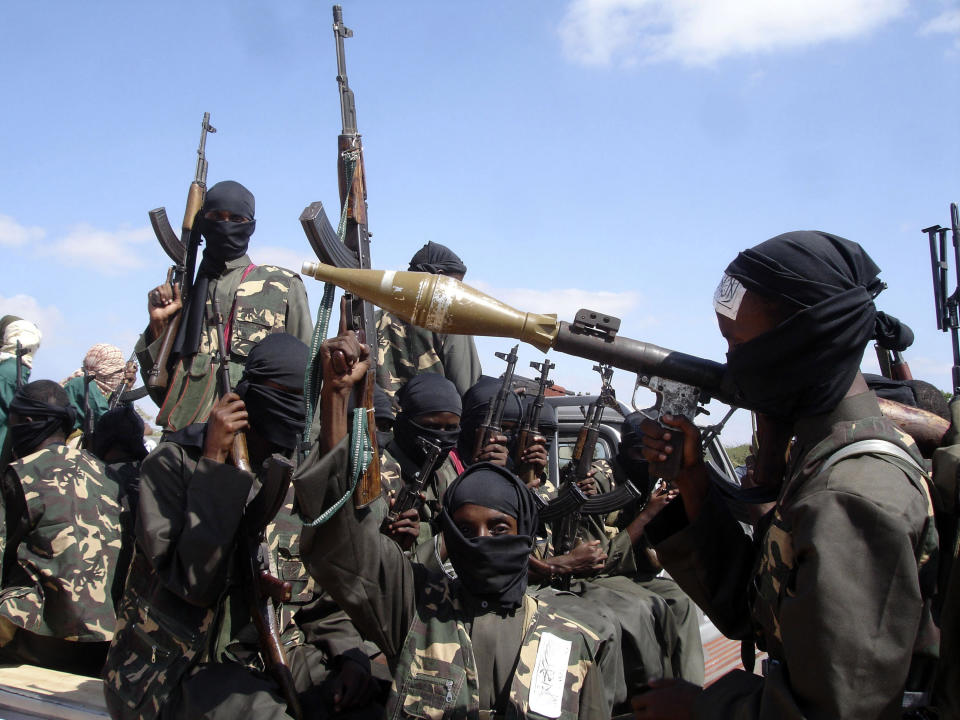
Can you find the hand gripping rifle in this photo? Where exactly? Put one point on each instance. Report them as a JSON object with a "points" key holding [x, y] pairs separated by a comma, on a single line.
{"points": [[948, 317], [353, 251], [493, 419], [183, 252], [411, 495], [238, 453], [531, 423], [262, 586], [570, 498], [124, 395]]}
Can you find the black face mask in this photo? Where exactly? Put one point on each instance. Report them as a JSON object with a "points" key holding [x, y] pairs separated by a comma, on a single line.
{"points": [[225, 240], [25, 436], [406, 432]]}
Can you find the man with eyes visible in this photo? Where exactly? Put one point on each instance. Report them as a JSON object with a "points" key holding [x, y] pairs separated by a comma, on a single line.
{"points": [[429, 409], [256, 300], [457, 647]]}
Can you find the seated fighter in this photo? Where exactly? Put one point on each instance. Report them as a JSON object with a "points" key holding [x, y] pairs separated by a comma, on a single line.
{"points": [[457, 647], [61, 539]]}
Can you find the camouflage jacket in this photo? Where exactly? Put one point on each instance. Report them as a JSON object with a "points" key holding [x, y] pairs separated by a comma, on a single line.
{"points": [[183, 603], [420, 625], [61, 541], [839, 572], [436, 675], [405, 350], [268, 299]]}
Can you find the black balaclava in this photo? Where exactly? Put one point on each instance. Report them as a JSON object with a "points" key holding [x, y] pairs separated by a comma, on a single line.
{"points": [[383, 410], [226, 240], [475, 403], [638, 471], [437, 259], [122, 428], [423, 394], [276, 415], [805, 365], [47, 417], [492, 568]]}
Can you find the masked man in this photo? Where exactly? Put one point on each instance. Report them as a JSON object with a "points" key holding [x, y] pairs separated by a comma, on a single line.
{"points": [[465, 647], [255, 300], [834, 586], [16, 335]]}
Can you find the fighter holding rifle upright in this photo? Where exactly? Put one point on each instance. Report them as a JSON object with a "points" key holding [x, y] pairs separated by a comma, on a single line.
{"points": [[176, 351]]}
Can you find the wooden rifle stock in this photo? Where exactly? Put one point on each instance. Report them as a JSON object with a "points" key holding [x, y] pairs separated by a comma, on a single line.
{"points": [[368, 486], [238, 453], [926, 428]]}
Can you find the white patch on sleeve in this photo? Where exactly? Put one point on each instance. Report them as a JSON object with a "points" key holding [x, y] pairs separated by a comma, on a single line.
{"points": [[549, 675], [727, 298]]}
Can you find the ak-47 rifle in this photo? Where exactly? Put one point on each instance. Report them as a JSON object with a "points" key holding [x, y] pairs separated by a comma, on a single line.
{"points": [[531, 423], [183, 252], [122, 393], [493, 419], [86, 424], [566, 526], [239, 454], [948, 317], [353, 252], [20, 353], [411, 495]]}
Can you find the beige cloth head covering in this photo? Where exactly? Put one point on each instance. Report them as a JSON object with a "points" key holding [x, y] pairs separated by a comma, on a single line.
{"points": [[106, 363], [26, 332]]}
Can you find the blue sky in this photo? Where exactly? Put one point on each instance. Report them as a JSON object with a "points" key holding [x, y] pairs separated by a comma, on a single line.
{"points": [[612, 154]]}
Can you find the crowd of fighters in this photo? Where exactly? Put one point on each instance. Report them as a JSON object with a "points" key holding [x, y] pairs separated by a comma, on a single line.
{"points": [[152, 570]]}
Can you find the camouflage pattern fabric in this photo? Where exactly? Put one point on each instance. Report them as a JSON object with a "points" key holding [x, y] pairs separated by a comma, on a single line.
{"points": [[405, 350], [776, 564], [66, 545], [269, 299], [436, 675]]}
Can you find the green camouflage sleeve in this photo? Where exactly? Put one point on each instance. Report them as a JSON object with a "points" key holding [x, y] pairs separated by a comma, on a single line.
{"points": [[461, 363], [365, 572], [298, 321], [188, 520]]}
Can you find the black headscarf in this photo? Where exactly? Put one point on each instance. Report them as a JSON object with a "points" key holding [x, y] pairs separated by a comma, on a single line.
{"points": [[47, 417], [423, 394], [226, 240], [492, 568], [475, 403], [383, 410], [277, 415], [437, 259], [805, 365], [120, 427]]}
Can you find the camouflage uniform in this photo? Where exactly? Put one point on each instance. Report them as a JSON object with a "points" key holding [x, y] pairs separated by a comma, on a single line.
{"points": [[405, 350], [439, 647], [833, 590], [61, 541], [269, 299]]}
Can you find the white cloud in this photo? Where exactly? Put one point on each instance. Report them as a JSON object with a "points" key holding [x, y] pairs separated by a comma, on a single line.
{"points": [[284, 257], [563, 301], [693, 32], [109, 252], [13, 234], [49, 319], [946, 23]]}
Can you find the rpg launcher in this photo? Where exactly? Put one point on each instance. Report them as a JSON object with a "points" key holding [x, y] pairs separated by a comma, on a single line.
{"points": [[411, 495], [183, 252], [492, 424], [445, 305], [530, 427]]}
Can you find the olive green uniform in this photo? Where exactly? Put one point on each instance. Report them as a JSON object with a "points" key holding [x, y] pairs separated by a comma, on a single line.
{"points": [[405, 350], [8, 387], [98, 403], [449, 658], [256, 300], [184, 646], [61, 541], [834, 589]]}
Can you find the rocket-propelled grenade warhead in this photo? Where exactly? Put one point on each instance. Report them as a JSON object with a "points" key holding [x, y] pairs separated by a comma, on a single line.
{"points": [[440, 303]]}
